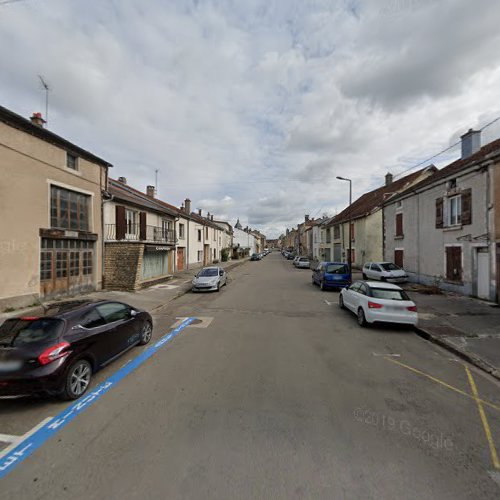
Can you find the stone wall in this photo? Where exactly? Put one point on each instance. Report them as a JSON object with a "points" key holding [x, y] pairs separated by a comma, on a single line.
{"points": [[122, 265]]}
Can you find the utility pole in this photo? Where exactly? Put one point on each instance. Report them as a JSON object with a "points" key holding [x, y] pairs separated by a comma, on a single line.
{"points": [[45, 85], [349, 257]]}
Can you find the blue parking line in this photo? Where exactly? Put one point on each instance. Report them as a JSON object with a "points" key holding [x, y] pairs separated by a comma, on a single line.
{"points": [[27, 446]]}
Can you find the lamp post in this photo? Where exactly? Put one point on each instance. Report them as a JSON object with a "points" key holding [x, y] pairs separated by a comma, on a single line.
{"points": [[349, 257]]}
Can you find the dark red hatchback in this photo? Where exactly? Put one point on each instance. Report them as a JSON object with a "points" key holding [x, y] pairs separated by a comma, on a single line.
{"points": [[57, 353]]}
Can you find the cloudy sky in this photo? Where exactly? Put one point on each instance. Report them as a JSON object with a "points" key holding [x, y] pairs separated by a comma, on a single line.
{"points": [[251, 108]]}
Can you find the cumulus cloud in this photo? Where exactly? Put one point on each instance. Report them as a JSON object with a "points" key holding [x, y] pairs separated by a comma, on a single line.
{"points": [[252, 108]]}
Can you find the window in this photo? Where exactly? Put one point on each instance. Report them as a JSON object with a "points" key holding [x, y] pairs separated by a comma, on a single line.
{"points": [[87, 263], [215, 235], [200, 255], [74, 263], [19, 331], [328, 235], [215, 253], [454, 210], [62, 264], [68, 209], [399, 225], [181, 231], [92, 319], [71, 161], [337, 269], [206, 233], [385, 293], [452, 184], [199, 236], [375, 267], [46, 265], [336, 232], [131, 223], [113, 312]]}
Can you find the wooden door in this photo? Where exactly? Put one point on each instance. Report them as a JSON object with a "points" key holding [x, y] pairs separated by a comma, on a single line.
{"points": [[180, 259]]}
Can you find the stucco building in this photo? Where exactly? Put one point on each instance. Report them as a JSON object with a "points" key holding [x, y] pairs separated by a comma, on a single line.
{"points": [[445, 230], [50, 213]]}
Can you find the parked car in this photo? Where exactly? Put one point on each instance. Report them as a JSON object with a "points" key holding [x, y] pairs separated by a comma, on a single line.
{"points": [[302, 263], [58, 353], [255, 256], [330, 275], [384, 271], [378, 302], [209, 279], [290, 256]]}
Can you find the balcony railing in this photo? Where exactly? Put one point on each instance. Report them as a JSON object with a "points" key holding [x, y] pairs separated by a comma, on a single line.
{"points": [[136, 232]]}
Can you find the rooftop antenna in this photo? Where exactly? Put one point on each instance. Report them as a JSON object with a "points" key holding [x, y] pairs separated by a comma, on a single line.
{"points": [[45, 85], [156, 181]]}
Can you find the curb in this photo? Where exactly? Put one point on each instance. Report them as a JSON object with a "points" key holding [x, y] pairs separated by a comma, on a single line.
{"points": [[467, 356]]}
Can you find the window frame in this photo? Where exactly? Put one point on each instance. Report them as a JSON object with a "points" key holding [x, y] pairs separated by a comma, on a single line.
{"points": [[457, 201], [72, 164], [63, 211]]}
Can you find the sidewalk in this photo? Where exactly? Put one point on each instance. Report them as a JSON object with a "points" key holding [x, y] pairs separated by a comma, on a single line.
{"points": [[150, 299], [470, 328]]}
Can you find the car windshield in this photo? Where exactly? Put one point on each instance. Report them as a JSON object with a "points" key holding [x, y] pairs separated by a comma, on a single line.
{"points": [[17, 332], [390, 267], [208, 272], [336, 269], [384, 293]]}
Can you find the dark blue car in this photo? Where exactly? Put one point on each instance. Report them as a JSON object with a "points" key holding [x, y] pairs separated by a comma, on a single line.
{"points": [[331, 275]]}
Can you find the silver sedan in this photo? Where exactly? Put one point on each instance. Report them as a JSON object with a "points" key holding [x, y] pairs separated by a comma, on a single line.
{"points": [[209, 279]]}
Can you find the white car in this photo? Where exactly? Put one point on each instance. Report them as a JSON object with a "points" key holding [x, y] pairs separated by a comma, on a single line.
{"points": [[295, 259], [302, 263], [378, 302], [209, 279], [384, 271]]}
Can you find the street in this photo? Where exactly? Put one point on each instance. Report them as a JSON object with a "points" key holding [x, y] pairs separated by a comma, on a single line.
{"points": [[275, 393]]}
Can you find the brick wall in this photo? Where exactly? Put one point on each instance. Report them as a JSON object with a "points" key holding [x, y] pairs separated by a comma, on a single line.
{"points": [[122, 265]]}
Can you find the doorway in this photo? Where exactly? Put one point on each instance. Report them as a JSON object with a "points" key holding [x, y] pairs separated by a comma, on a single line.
{"points": [[482, 273]]}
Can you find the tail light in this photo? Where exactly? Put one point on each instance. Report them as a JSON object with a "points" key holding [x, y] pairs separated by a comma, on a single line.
{"points": [[412, 309], [374, 305], [52, 353]]}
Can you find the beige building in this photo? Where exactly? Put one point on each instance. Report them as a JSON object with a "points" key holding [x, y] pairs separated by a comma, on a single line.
{"points": [[50, 213]]}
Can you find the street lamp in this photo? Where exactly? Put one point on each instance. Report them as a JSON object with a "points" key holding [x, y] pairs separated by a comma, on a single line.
{"points": [[349, 257]]}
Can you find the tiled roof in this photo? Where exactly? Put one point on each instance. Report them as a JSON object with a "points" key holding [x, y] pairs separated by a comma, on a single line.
{"points": [[17, 121], [458, 165], [126, 193], [374, 199]]}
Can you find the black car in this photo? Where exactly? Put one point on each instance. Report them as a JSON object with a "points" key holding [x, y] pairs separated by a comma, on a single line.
{"points": [[57, 353], [255, 256]]}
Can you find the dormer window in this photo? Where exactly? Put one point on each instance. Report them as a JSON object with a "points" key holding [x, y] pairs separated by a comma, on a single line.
{"points": [[452, 184]]}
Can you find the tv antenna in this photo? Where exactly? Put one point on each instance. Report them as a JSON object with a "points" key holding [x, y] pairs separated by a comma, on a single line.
{"points": [[47, 88], [156, 181]]}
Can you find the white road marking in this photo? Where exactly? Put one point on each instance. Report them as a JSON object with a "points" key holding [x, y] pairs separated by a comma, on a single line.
{"points": [[205, 322], [328, 303], [166, 287], [24, 436], [389, 354]]}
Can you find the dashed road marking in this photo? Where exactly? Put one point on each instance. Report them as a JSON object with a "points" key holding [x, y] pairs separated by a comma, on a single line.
{"points": [[328, 303], [387, 354]]}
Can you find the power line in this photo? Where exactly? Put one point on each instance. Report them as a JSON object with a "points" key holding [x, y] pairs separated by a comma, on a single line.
{"points": [[445, 150]]}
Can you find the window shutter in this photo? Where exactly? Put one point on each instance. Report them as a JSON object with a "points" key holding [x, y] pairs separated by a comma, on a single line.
{"points": [[142, 226], [439, 213], [399, 224], [120, 222], [467, 206]]}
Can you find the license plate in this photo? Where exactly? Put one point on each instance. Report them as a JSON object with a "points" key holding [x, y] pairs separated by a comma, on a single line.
{"points": [[10, 366]]}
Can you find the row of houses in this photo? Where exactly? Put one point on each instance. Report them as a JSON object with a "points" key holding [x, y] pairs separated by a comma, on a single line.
{"points": [[67, 227], [441, 225]]}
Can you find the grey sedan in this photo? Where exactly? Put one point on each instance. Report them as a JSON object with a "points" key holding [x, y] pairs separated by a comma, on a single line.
{"points": [[209, 279]]}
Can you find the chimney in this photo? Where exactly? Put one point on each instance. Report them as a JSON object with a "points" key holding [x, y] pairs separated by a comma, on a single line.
{"points": [[36, 119], [306, 218], [123, 180], [182, 209], [389, 178], [150, 191], [471, 143], [187, 204], [199, 212], [211, 217], [208, 215]]}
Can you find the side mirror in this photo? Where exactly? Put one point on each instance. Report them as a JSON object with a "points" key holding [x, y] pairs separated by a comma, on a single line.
{"points": [[133, 313], [221, 273]]}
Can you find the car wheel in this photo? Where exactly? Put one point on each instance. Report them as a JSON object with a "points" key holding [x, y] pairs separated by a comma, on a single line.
{"points": [[146, 333], [361, 317], [364, 276], [77, 380], [341, 302], [322, 285]]}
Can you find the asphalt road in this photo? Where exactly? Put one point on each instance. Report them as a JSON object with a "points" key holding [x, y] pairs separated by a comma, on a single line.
{"points": [[276, 394]]}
